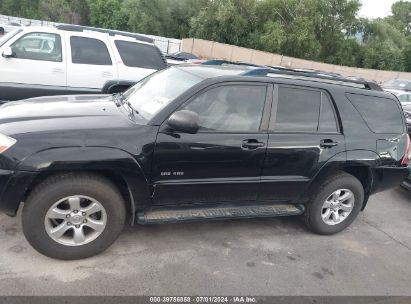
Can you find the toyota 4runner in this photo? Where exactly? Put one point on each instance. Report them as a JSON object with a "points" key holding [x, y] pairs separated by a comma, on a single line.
{"points": [[209, 141]]}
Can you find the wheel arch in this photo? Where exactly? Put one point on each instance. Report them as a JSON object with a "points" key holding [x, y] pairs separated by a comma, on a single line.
{"points": [[359, 164], [110, 86], [116, 165]]}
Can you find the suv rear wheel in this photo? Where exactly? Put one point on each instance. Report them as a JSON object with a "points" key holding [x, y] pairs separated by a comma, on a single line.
{"points": [[335, 205], [73, 216]]}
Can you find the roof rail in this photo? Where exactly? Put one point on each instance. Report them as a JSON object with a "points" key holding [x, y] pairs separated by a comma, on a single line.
{"points": [[80, 28], [370, 85], [302, 73]]}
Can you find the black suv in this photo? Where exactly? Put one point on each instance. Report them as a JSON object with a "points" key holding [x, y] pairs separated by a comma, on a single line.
{"points": [[210, 141]]}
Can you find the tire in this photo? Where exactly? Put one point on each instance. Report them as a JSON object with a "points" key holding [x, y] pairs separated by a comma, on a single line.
{"points": [[313, 216], [96, 191]]}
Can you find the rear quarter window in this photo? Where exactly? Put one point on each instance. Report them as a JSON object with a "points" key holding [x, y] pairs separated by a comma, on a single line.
{"points": [[139, 55], [382, 115]]}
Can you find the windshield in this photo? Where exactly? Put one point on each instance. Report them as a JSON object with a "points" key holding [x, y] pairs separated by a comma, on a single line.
{"points": [[398, 84], [8, 36], [155, 92]]}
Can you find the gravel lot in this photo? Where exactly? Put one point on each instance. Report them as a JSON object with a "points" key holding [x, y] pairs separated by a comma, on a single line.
{"points": [[238, 257]]}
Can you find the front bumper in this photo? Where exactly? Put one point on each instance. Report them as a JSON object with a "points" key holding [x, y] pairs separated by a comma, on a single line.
{"points": [[13, 188]]}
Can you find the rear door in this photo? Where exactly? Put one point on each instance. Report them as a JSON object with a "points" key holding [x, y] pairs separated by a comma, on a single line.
{"points": [[222, 162], [304, 134], [90, 61]]}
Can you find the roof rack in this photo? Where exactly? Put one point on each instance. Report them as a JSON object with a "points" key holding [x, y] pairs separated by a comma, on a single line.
{"points": [[299, 74], [80, 28], [370, 85]]}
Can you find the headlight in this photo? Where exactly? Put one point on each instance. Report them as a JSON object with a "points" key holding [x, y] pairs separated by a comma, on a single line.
{"points": [[407, 115], [6, 142]]}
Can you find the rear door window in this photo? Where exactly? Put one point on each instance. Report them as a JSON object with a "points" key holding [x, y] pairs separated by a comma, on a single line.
{"points": [[139, 55], [298, 110], [328, 120], [89, 51], [382, 115]]}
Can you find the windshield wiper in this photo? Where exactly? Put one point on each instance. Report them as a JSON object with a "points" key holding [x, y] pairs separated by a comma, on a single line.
{"points": [[119, 100], [132, 109]]}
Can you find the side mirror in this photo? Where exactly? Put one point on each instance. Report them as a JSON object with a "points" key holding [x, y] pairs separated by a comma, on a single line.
{"points": [[8, 52], [184, 121]]}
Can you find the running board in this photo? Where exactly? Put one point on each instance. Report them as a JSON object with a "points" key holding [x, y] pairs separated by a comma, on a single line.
{"points": [[180, 215]]}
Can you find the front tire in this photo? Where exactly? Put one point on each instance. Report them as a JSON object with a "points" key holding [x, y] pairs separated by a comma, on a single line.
{"points": [[73, 216], [335, 205]]}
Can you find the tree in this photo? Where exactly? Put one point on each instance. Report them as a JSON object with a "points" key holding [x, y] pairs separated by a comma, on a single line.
{"points": [[64, 11], [383, 45], [401, 16], [20, 8], [226, 21], [106, 14]]}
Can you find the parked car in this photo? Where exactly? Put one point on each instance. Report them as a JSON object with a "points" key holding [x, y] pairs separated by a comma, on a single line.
{"points": [[198, 142], [182, 57], [403, 96], [396, 85], [39, 61]]}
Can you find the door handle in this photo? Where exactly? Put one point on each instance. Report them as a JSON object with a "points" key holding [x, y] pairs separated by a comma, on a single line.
{"points": [[58, 71], [107, 75], [328, 143], [252, 144]]}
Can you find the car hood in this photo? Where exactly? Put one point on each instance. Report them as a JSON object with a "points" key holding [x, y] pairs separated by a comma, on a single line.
{"points": [[55, 113]]}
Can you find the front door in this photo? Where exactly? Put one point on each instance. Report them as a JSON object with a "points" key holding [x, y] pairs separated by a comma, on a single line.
{"points": [[222, 162], [37, 67], [304, 134]]}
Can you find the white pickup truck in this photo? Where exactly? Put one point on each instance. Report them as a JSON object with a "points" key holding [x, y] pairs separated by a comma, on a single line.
{"points": [[67, 59]]}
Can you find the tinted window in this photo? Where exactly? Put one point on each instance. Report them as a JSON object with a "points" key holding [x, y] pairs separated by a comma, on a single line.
{"points": [[382, 115], [38, 46], [230, 108], [328, 122], [89, 51], [140, 55], [297, 110]]}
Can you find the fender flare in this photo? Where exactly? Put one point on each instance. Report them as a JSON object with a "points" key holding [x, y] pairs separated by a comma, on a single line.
{"points": [[94, 159], [341, 161]]}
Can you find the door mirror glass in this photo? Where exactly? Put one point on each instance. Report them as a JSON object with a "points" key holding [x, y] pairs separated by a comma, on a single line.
{"points": [[8, 52], [184, 121]]}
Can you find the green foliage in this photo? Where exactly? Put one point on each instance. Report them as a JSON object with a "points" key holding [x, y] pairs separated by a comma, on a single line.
{"points": [[226, 21], [106, 14], [21, 8], [323, 30]]}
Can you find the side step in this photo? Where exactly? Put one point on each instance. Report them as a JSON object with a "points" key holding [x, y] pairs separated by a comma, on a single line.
{"points": [[194, 214]]}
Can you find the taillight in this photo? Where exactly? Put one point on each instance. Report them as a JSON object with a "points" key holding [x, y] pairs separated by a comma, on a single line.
{"points": [[406, 156]]}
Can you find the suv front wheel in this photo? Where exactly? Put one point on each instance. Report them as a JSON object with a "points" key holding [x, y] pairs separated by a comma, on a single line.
{"points": [[335, 205], [73, 216]]}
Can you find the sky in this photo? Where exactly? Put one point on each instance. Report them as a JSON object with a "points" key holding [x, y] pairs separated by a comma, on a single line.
{"points": [[376, 8]]}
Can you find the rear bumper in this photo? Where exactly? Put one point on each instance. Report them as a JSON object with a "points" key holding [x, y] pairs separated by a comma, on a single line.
{"points": [[389, 177], [407, 183], [13, 187]]}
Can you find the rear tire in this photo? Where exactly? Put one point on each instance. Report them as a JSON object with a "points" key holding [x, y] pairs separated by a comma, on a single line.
{"points": [[335, 205], [49, 209]]}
